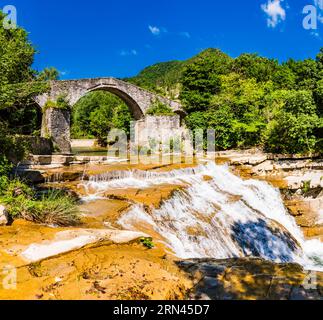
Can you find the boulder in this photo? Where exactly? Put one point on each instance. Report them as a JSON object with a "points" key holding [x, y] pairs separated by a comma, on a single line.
{"points": [[250, 279], [3, 216]]}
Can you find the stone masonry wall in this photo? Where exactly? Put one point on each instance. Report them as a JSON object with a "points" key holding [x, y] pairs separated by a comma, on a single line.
{"points": [[56, 122], [56, 125], [158, 129]]}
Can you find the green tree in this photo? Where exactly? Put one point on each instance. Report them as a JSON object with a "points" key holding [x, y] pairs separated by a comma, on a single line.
{"points": [[17, 85], [288, 133], [97, 113], [220, 120], [254, 66], [293, 124], [16, 55], [284, 78], [201, 79], [48, 74], [245, 97], [306, 73], [318, 94], [159, 109]]}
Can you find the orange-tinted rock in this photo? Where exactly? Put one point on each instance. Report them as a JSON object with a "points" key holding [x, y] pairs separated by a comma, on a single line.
{"points": [[103, 272], [250, 279]]}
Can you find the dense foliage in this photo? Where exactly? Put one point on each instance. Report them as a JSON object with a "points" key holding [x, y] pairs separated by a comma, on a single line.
{"points": [[97, 113], [159, 109], [18, 86], [161, 78], [48, 74], [249, 101], [254, 101], [19, 114]]}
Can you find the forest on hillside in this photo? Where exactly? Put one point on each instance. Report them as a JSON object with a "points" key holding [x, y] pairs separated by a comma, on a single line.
{"points": [[249, 100]]}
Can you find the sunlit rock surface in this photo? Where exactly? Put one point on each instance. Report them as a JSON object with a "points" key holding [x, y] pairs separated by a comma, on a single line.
{"points": [[251, 279], [191, 211]]}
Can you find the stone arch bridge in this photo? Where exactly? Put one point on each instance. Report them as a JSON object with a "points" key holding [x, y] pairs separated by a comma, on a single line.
{"points": [[56, 122]]}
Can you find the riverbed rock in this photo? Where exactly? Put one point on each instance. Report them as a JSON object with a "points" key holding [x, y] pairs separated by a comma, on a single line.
{"points": [[106, 271], [251, 279], [33, 176], [307, 212], [3, 216], [151, 197], [69, 240]]}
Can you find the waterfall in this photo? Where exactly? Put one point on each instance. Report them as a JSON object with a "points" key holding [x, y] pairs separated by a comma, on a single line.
{"points": [[139, 179], [219, 217]]}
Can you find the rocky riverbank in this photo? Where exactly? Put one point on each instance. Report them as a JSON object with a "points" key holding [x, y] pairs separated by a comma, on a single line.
{"points": [[99, 260], [53, 263]]}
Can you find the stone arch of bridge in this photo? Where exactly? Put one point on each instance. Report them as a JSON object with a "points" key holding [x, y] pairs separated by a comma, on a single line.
{"points": [[132, 104]]}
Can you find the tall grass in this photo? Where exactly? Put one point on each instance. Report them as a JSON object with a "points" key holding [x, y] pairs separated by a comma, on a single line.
{"points": [[53, 207]]}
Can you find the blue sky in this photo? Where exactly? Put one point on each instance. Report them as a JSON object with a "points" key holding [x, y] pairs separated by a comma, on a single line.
{"points": [[119, 38]]}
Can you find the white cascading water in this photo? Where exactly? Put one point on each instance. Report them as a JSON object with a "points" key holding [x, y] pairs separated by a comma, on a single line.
{"points": [[222, 217]]}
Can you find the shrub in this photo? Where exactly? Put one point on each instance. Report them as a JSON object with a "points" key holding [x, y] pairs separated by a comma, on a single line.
{"points": [[287, 133], [160, 109], [147, 242], [221, 120], [52, 207], [5, 169], [60, 103]]}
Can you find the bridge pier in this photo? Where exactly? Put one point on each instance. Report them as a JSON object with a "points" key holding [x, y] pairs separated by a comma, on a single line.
{"points": [[151, 131], [157, 130], [56, 126]]}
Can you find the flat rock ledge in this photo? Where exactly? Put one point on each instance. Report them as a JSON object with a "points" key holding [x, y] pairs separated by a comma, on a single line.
{"points": [[70, 240]]}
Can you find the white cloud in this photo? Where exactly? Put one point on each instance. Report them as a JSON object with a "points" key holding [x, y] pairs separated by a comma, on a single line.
{"points": [[154, 30], [319, 3], [185, 35], [275, 12], [125, 53], [63, 73], [315, 34]]}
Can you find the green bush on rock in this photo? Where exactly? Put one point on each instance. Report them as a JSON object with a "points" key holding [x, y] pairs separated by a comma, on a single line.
{"points": [[147, 242], [52, 207]]}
